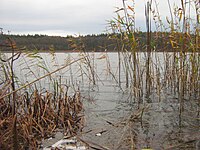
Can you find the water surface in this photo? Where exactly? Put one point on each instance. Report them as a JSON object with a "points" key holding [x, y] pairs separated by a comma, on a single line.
{"points": [[108, 106]]}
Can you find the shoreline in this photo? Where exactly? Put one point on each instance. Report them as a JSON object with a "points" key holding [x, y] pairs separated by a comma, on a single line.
{"points": [[76, 51]]}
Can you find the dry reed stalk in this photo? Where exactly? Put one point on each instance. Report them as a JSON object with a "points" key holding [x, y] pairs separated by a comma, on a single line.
{"points": [[28, 126], [15, 134], [39, 122], [38, 79], [35, 117]]}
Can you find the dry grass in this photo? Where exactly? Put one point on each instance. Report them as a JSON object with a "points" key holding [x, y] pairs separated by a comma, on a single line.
{"points": [[29, 117]]}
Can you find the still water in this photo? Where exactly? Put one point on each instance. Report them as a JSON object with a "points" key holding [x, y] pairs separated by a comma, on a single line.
{"points": [[109, 107]]}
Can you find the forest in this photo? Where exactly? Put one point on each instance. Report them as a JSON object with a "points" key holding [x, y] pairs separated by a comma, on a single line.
{"points": [[97, 43]]}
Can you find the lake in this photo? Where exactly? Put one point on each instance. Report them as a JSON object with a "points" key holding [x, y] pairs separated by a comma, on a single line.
{"points": [[119, 114]]}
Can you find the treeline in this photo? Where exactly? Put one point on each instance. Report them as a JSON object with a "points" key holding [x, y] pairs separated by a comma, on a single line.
{"points": [[98, 43]]}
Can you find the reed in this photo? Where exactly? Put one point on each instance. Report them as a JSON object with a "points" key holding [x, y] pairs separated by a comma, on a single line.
{"points": [[179, 65], [88, 61], [28, 117], [176, 73], [39, 112]]}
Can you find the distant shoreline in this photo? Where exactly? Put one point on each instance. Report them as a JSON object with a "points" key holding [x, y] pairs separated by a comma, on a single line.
{"points": [[89, 51]]}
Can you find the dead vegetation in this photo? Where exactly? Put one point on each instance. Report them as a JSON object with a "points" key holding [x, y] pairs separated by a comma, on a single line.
{"points": [[28, 117]]}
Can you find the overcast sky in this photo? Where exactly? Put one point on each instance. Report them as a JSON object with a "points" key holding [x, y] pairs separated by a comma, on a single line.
{"points": [[64, 17]]}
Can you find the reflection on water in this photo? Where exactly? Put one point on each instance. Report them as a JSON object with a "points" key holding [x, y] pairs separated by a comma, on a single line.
{"points": [[107, 106], [159, 128]]}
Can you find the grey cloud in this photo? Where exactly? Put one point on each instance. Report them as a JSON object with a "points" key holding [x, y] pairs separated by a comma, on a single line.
{"points": [[80, 16]]}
